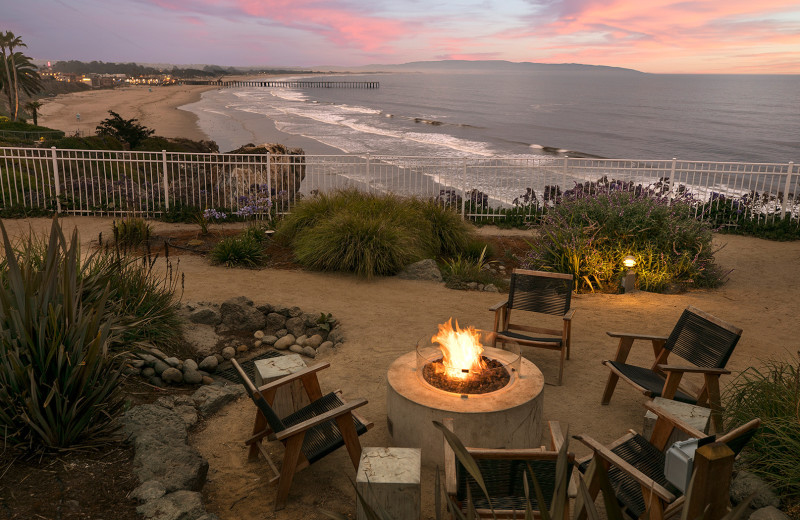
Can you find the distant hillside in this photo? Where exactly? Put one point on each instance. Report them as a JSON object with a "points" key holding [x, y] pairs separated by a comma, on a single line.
{"points": [[488, 66]]}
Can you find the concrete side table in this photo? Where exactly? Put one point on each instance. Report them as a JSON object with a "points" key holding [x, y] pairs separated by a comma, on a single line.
{"points": [[695, 416], [389, 480], [288, 398]]}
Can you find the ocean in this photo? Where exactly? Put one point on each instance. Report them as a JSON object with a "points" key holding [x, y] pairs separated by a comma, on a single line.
{"points": [[746, 118]]}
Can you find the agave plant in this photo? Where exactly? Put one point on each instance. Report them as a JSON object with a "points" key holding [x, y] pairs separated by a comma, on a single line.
{"points": [[58, 382]]}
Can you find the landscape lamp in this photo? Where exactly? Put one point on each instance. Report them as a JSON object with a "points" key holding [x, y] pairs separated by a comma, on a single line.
{"points": [[629, 280]]}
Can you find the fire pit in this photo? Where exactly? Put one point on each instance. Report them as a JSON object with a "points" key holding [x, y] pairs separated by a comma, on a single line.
{"points": [[494, 396]]}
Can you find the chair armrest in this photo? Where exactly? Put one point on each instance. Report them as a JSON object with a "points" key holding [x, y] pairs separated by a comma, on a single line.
{"points": [[612, 458], [319, 419], [636, 336], [556, 435], [497, 306], [291, 377], [450, 484], [677, 423], [693, 370], [568, 316]]}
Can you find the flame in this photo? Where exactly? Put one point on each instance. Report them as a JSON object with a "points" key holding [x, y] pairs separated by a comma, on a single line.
{"points": [[461, 350]]}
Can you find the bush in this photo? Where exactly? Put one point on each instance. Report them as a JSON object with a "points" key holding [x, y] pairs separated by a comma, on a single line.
{"points": [[461, 271], [589, 234], [773, 395], [370, 234], [238, 251], [131, 232], [58, 381]]}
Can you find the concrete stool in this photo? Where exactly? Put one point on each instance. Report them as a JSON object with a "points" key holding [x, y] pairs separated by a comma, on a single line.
{"points": [[695, 416], [389, 480], [288, 398]]}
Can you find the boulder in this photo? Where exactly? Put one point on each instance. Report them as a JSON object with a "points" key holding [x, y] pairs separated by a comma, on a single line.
{"points": [[211, 398], [768, 513], [205, 316], [422, 270], [201, 339], [153, 421], [177, 467], [745, 484], [209, 364], [150, 490], [274, 323], [296, 326], [239, 314], [180, 505]]}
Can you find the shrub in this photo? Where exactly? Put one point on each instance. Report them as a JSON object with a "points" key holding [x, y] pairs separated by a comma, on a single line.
{"points": [[58, 381], [461, 271], [589, 233], [367, 245], [238, 251], [131, 232], [773, 395], [450, 235]]}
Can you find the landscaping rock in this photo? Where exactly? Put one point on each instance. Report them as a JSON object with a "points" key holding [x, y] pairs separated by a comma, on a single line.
{"points": [[209, 364], [269, 340], [228, 352], [284, 342], [314, 341], [242, 349], [151, 421], [274, 323], [240, 314], [177, 467], [156, 381], [491, 288], [192, 377], [150, 490], [310, 352], [172, 375], [157, 353], [258, 334], [207, 380], [209, 516], [336, 335], [422, 270], [324, 348], [295, 326], [210, 398], [301, 340], [201, 339], [768, 513], [190, 364], [180, 505], [173, 361], [159, 366], [310, 319], [265, 308], [297, 349], [745, 484], [257, 343], [295, 312], [281, 333], [148, 372], [138, 363], [205, 316]]}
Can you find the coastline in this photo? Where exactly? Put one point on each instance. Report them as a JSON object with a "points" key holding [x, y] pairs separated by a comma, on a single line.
{"points": [[156, 107]]}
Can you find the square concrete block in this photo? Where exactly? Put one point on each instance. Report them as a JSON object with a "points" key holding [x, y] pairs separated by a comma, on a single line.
{"points": [[695, 416], [288, 398], [389, 480]]}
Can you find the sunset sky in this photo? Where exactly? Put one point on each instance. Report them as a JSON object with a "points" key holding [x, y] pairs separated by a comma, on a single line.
{"points": [[660, 36]]}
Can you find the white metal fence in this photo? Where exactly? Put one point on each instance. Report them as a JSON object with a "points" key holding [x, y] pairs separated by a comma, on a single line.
{"points": [[91, 182]]}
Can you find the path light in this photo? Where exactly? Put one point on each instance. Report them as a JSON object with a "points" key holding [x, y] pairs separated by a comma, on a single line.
{"points": [[629, 280]]}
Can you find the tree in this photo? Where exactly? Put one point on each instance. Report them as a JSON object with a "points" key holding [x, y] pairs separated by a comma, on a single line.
{"points": [[33, 107], [127, 130], [9, 40]]}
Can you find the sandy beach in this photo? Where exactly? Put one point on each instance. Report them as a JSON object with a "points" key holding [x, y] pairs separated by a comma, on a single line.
{"points": [[155, 107], [384, 318]]}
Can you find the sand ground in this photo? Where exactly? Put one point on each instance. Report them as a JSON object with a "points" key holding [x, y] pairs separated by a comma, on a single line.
{"points": [[384, 318]]}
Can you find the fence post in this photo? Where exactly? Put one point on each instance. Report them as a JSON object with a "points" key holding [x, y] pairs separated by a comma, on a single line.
{"points": [[710, 493], [464, 193], [786, 188], [671, 181], [269, 187], [56, 180], [369, 181], [165, 181]]}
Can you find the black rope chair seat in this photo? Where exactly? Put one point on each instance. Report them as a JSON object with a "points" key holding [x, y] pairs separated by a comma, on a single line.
{"points": [[652, 381], [645, 457], [504, 482], [516, 335], [323, 438]]}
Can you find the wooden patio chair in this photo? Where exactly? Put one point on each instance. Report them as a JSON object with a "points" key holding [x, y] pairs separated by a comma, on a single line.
{"points": [[308, 434], [503, 471], [703, 340], [635, 465], [537, 293]]}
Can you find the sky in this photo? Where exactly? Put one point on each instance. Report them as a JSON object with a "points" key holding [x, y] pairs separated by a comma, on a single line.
{"points": [[657, 36]]}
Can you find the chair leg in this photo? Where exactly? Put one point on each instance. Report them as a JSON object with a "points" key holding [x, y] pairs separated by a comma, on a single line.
{"points": [[714, 402], [611, 384], [350, 437], [288, 468], [258, 426], [561, 365]]}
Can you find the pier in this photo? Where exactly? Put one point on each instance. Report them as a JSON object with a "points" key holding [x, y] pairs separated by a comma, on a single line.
{"points": [[286, 84]]}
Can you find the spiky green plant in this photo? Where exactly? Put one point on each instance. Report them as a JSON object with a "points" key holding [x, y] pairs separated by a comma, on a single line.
{"points": [[130, 232], [58, 381], [238, 251]]}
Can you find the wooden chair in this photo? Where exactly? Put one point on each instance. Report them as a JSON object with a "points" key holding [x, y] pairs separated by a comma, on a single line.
{"points": [[703, 340], [635, 465], [503, 471], [537, 292], [308, 434]]}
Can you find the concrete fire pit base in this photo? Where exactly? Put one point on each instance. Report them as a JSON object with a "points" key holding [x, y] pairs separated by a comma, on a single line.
{"points": [[507, 418]]}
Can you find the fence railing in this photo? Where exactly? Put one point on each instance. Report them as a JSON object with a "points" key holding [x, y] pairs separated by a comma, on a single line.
{"points": [[92, 182]]}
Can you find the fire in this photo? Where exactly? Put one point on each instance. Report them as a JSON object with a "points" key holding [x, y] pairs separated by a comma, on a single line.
{"points": [[461, 350]]}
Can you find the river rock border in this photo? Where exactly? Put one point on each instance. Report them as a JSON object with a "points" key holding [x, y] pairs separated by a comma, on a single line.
{"points": [[217, 332], [171, 473]]}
